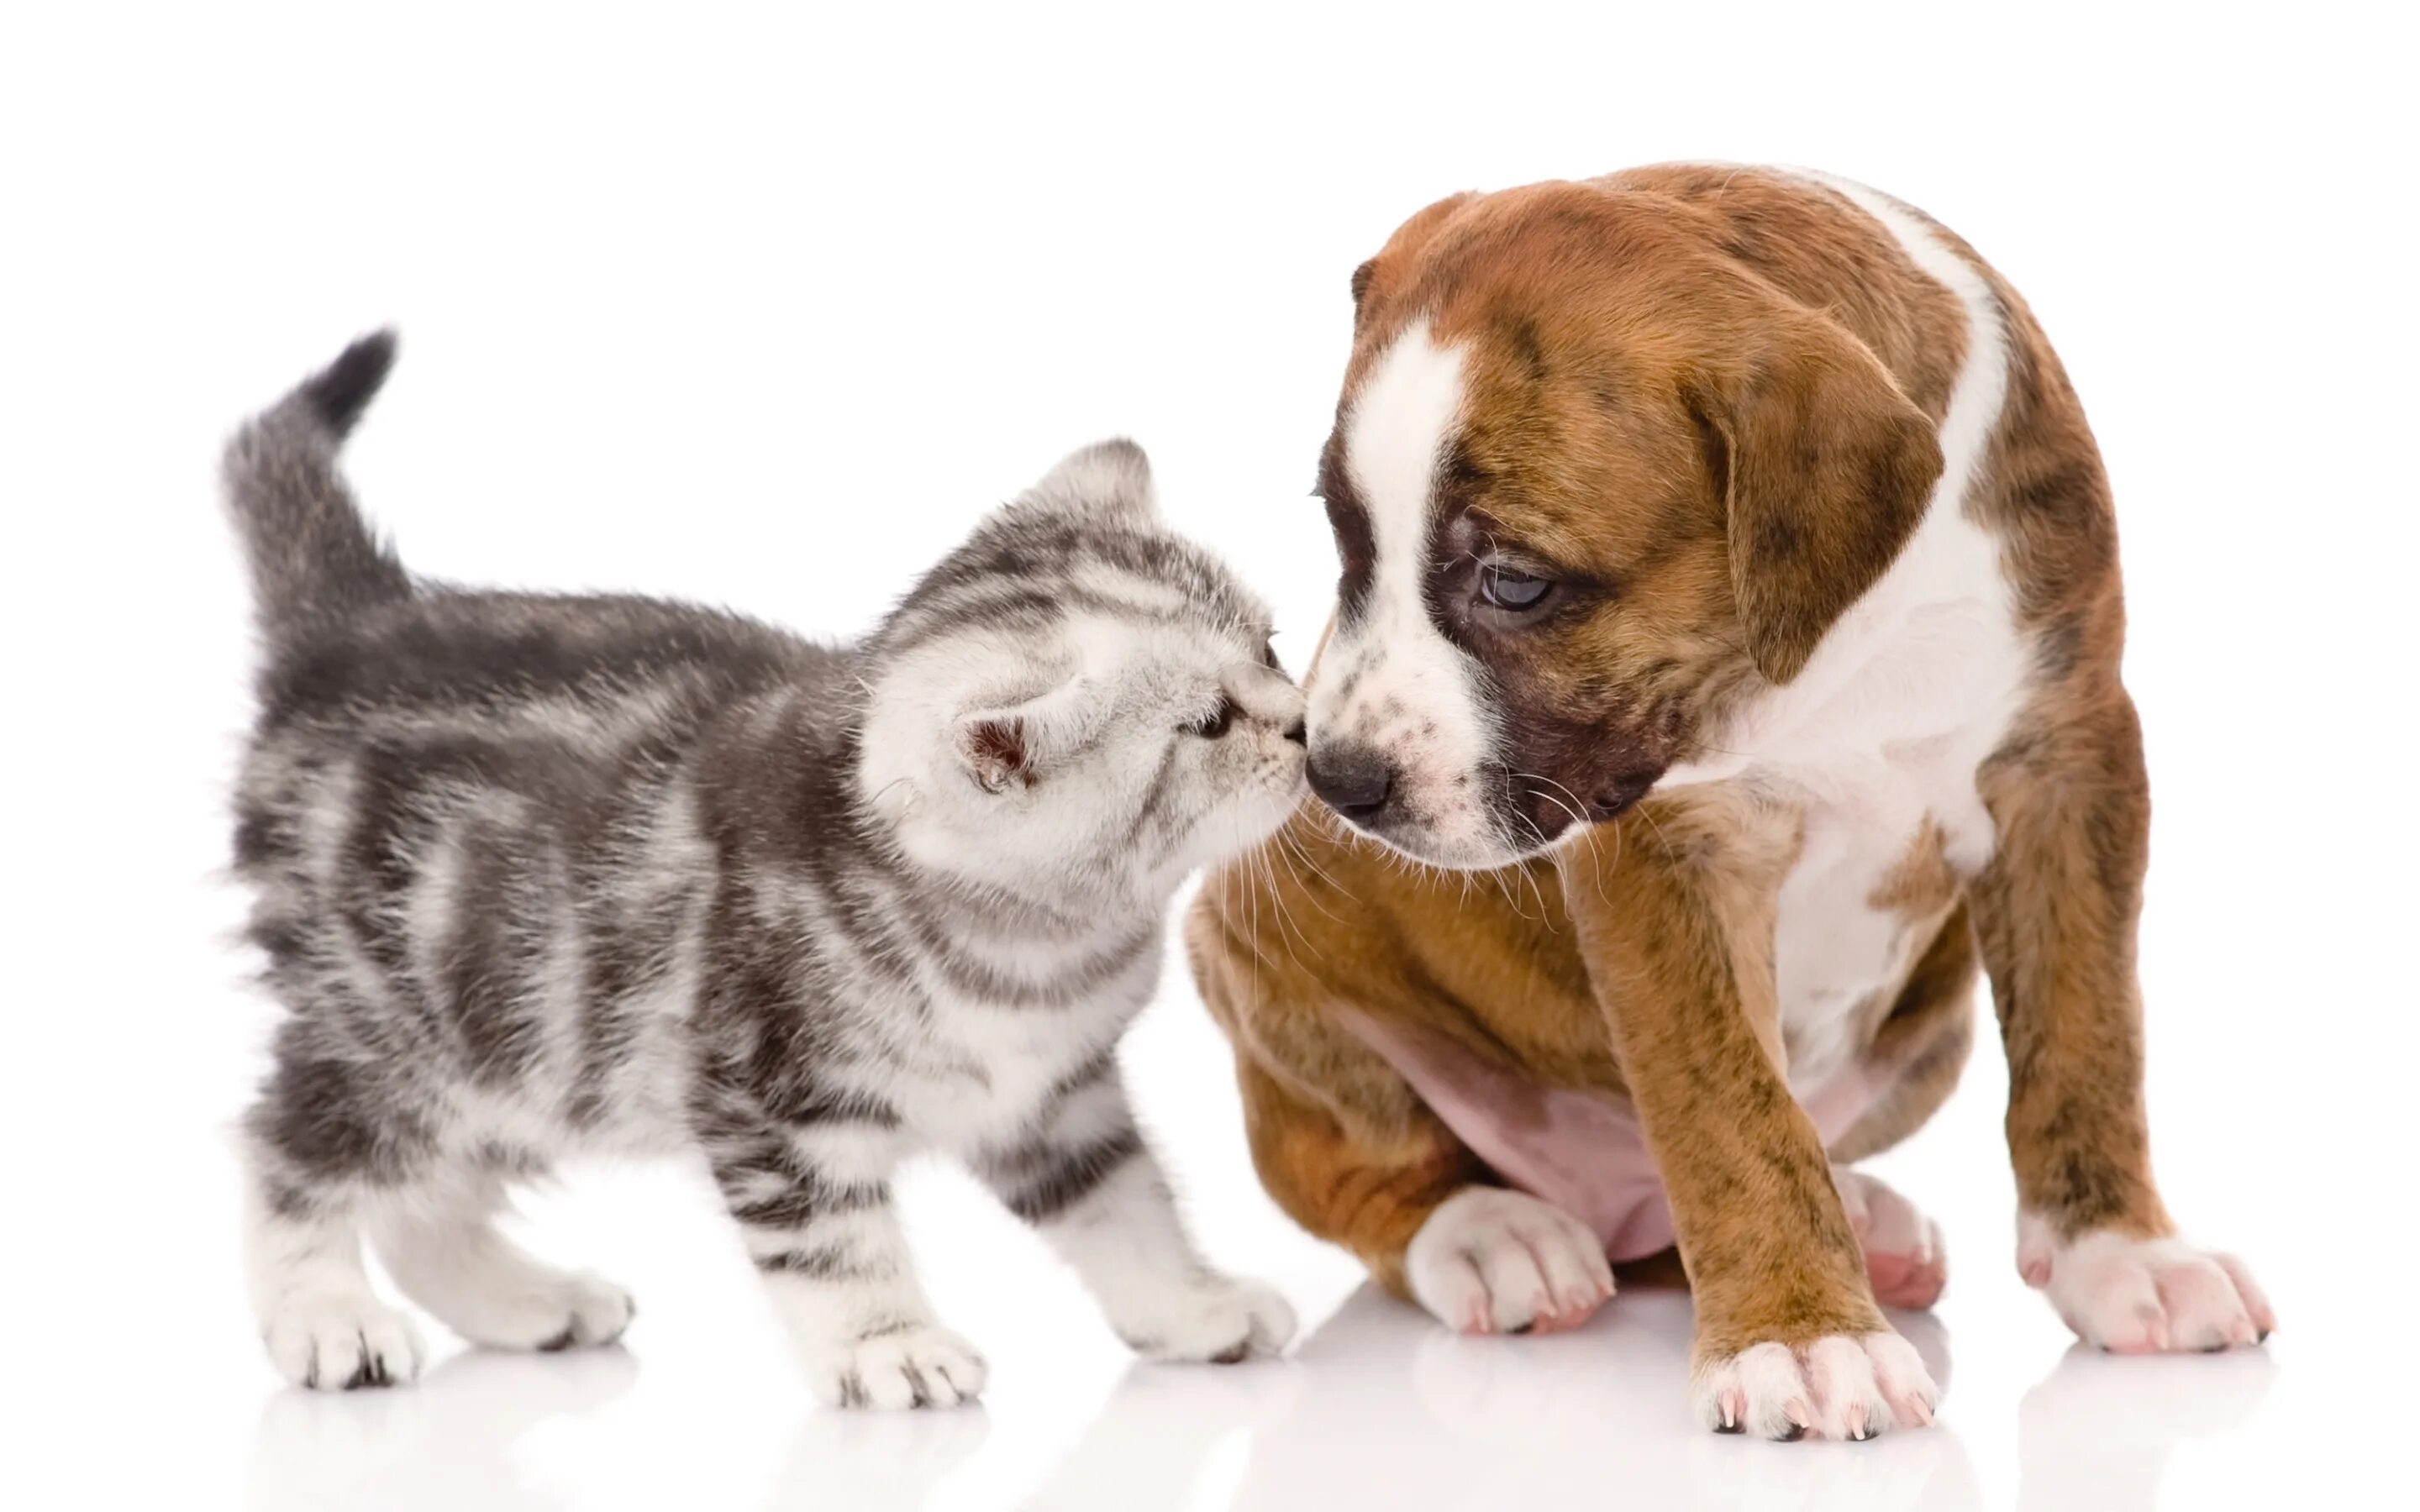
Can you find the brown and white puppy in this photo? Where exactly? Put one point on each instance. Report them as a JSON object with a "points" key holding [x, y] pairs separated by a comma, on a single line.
{"points": [[1730, 580]]}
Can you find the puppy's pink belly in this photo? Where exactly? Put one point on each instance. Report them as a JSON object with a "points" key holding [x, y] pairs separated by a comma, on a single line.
{"points": [[1584, 1153]]}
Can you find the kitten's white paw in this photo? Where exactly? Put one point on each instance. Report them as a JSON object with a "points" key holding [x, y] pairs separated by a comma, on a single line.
{"points": [[1218, 1319], [1838, 1387], [572, 1310], [924, 1366], [341, 1341], [2145, 1296], [1491, 1260]]}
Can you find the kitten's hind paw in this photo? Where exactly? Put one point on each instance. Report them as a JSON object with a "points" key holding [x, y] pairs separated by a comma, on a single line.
{"points": [[340, 1343], [921, 1366], [1216, 1320], [575, 1311]]}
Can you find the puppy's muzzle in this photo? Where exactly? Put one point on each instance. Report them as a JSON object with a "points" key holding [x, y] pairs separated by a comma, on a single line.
{"points": [[1355, 780]]}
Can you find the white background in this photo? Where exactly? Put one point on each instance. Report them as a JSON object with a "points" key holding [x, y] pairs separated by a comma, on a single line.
{"points": [[766, 308]]}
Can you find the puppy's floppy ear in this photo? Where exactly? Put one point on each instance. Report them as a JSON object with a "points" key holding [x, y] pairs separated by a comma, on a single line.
{"points": [[1386, 268], [1107, 478], [1825, 468]]}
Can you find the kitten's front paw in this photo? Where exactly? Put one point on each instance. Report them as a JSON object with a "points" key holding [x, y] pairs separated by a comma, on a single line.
{"points": [[1835, 1387], [339, 1343], [1218, 1319], [2145, 1296], [921, 1366]]}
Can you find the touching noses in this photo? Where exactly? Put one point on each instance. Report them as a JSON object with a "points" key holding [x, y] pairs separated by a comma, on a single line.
{"points": [[1355, 780]]}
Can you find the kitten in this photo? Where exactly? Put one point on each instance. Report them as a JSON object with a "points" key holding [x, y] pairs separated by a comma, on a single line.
{"points": [[539, 875]]}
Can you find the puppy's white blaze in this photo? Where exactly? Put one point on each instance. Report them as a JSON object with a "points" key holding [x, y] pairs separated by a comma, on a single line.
{"points": [[1393, 439], [1410, 692]]}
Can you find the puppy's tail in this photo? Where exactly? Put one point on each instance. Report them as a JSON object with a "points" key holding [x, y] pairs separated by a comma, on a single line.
{"points": [[315, 561]]}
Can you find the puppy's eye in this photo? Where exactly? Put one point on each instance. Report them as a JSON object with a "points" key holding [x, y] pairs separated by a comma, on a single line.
{"points": [[1502, 586], [1217, 722]]}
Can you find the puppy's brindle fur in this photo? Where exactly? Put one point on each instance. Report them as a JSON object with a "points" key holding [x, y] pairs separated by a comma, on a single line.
{"points": [[1711, 406]]}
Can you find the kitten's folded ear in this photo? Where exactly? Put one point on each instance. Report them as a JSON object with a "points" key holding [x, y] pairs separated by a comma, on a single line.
{"points": [[993, 749], [1110, 478], [1017, 745]]}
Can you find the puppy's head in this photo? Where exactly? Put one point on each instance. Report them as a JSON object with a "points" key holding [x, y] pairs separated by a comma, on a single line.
{"points": [[1593, 484]]}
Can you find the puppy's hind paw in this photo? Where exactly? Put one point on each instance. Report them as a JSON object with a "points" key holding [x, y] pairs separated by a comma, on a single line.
{"points": [[1905, 1261], [2146, 1296]]}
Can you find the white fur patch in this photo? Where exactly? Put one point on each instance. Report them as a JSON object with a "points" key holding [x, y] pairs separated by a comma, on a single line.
{"points": [[324, 1327], [1389, 679], [1124, 1241]]}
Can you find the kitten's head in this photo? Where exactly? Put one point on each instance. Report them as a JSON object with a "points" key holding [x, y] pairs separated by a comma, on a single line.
{"points": [[1079, 699]]}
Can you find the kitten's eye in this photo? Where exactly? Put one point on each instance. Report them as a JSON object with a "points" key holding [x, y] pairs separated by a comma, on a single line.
{"points": [[1502, 586], [1269, 656], [1217, 722]]}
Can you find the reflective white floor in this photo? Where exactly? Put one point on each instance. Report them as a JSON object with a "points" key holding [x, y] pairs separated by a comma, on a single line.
{"points": [[134, 1380], [1376, 1409]]}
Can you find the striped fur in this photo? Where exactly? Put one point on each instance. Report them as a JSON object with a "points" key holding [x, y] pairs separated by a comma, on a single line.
{"points": [[538, 875]]}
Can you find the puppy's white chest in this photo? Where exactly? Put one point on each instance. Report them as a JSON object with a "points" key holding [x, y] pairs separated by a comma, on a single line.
{"points": [[1870, 884], [1879, 743], [1893, 821]]}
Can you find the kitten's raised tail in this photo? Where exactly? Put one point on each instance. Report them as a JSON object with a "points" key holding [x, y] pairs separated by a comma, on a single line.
{"points": [[315, 561]]}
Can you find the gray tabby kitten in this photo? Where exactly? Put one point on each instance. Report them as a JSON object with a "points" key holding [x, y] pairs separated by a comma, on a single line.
{"points": [[544, 875]]}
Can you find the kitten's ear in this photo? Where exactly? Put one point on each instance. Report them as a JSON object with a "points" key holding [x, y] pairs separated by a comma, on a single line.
{"points": [[1004, 749], [993, 749], [1112, 478]]}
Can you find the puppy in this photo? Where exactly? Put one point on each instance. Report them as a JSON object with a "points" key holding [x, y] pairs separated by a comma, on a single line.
{"points": [[1731, 595]]}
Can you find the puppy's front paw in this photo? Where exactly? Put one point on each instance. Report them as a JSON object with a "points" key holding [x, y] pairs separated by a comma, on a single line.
{"points": [[343, 1342], [1491, 1260], [1836, 1387], [923, 1365], [2145, 1296], [1218, 1319]]}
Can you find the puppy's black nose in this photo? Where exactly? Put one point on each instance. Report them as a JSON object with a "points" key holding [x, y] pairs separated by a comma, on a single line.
{"points": [[1354, 780]]}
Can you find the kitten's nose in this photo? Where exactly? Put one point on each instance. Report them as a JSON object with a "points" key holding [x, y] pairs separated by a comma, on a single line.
{"points": [[1355, 780]]}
